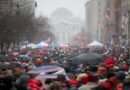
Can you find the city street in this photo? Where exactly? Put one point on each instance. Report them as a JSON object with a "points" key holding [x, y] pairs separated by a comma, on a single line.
{"points": [[64, 45]]}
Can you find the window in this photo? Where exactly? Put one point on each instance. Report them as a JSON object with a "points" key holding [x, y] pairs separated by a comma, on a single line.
{"points": [[99, 9], [107, 3], [108, 7], [99, 15], [99, 3]]}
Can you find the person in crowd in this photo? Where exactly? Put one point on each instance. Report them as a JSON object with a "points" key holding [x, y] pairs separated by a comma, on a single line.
{"points": [[22, 82], [47, 84], [55, 86], [100, 87], [92, 82], [121, 77]]}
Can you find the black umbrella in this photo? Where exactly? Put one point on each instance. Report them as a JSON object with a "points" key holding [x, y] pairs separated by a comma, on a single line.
{"points": [[14, 65], [73, 54], [87, 58], [105, 56], [36, 56], [99, 48], [25, 58], [3, 58], [4, 66]]}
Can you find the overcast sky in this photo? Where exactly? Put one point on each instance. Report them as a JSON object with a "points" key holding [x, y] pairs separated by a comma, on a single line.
{"points": [[46, 7]]}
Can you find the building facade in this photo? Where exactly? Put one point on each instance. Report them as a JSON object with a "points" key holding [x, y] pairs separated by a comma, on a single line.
{"points": [[7, 7], [65, 26], [11, 7], [116, 23], [109, 22], [26, 6], [125, 21], [94, 19]]}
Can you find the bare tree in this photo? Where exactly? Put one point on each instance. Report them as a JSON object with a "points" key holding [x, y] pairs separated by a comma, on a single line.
{"points": [[43, 29], [15, 28]]}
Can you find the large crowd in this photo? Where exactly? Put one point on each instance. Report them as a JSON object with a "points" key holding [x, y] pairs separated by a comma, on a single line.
{"points": [[112, 74]]}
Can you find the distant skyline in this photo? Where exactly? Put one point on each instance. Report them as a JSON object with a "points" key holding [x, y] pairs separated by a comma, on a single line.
{"points": [[47, 7]]}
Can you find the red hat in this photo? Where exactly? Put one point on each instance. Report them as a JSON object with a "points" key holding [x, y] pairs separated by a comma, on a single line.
{"points": [[108, 85], [34, 84], [114, 80], [74, 82], [84, 79], [102, 70], [110, 62], [125, 67]]}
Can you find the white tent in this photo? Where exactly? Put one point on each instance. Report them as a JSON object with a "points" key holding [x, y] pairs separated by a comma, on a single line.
{"points": [[31, 45], [95, 43], [23, 47]]}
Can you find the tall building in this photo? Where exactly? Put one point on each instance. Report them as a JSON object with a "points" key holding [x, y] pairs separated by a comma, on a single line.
{"points": [[109, 23], [10, 7], [88, 20], [125, 21], [118, 32], [7, 7], [100, 22], [26, 6], [94, 19]]}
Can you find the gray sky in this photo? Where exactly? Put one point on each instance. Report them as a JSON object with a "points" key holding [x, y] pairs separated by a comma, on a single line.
{"points": [[46, 7]]}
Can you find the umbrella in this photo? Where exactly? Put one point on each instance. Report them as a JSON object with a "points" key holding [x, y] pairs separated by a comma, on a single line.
{"points": [[42, 77], [34, 57], [87, 58], [4, 66], [14, 65], [45, 69], [42, 45], [25, 58], [60, 74], [73, 54], [3, 58], [100, 48]]}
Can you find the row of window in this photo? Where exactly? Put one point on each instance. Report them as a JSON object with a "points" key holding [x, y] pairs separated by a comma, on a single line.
{"points": [[4, 3], [108, 7], [5, 6]]}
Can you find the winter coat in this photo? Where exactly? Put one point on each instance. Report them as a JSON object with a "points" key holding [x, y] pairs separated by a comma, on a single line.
{"points": [[88, 86]]}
